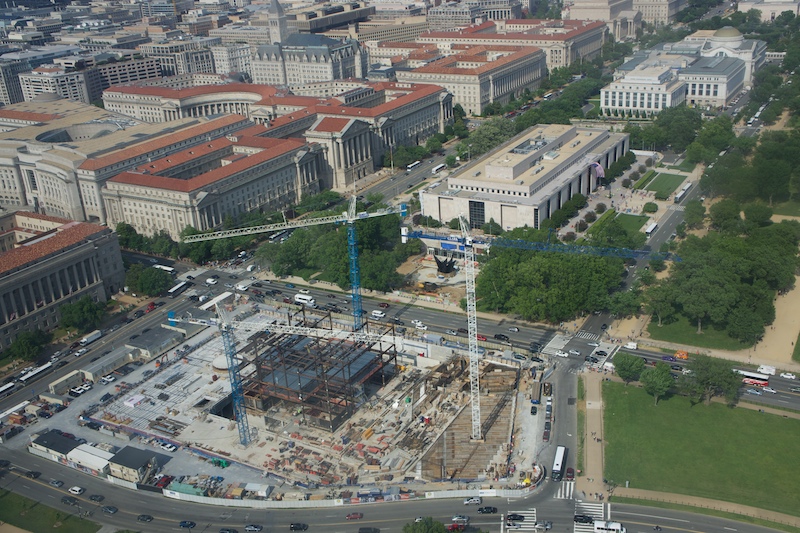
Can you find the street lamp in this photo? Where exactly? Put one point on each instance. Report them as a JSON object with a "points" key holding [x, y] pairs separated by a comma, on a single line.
{"points": [[469, 153]]}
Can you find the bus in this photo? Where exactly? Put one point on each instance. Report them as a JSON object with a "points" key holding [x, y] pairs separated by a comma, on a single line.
{"points": [[305, 299], [753, 378], [437, 168], [558, 463], [165, 268], [601, 526], [276, 237], [413, 165], [680, 196], [650, 229], [548, 95], [36, 373], [7, 389], [177, 289]]}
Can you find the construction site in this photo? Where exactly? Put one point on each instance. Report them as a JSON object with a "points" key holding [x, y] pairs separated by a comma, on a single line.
{"points": [[333, 409]]}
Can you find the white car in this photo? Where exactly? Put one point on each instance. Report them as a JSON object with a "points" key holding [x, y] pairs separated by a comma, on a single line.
{"points": [[76, 490], [594, 344], [109, 378], [211, 281], [81, 352], [562, 353], [421, 326], [303, 291], [788, 375], [575, 352], [416, 322], [514, 329], [166, 446], [770, 390]]}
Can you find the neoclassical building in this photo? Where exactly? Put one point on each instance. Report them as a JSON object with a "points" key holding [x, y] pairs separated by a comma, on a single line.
{"points": [[48, 261], [202, 185]]}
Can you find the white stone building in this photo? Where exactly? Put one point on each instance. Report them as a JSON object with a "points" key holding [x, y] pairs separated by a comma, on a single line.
{"points": [[642, 93], [528, 178]]}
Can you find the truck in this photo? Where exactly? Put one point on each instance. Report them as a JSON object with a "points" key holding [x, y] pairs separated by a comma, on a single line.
{"points": [[91, 337], [766, 369], [631, 346]]}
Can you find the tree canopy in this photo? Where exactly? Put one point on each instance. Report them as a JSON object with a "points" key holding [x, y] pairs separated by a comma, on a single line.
{"points": [[657, 380], [629, 367], [84, 314], [28, 344]]}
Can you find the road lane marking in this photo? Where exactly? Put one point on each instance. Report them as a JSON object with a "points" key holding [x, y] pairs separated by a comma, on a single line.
{"points": [[652, 516]]}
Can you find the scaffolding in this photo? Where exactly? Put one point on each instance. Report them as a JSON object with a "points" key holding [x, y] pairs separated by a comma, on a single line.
{"points": [[319, 381]]}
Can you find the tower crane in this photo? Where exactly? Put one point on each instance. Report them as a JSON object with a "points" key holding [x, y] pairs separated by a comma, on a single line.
{"points": [[349, 217], [467, 242]]}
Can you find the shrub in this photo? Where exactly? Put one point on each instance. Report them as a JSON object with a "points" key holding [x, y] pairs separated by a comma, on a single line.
{"points": [[650, 207], [626, 183], [649, 161], [569, 237], [590, 217], [662, 195], [581, 225], [642, 169], [600, 208]]}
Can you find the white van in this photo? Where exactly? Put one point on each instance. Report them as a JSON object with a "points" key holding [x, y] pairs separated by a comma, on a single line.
{"points": [[251, 268], [378, 314], [631, 346], [766, 369]]}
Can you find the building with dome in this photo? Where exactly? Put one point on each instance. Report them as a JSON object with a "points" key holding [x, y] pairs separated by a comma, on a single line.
{"points": [[707, 69]]}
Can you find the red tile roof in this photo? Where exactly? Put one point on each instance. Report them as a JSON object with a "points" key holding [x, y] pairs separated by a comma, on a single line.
{"points": [[160, 142], [264, 91], [39, 216], [159, 166], [27, 116], [332, 125], [68, 235], [273, 148], [477, 57], [528, 30]]}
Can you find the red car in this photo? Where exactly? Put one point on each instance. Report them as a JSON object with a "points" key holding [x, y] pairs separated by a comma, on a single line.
{"points": [[383, 305], [480, 337], [570, 476], [355, 516], [456, 527]]}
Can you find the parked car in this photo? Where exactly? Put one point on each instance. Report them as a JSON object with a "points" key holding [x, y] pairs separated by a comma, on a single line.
{"points": [[537, 359], [519, 356], [601, 353], [166, 446]]}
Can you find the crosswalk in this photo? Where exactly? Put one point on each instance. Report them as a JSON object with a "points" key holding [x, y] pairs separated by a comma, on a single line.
{"points": [[597, 510], [588, 335], [529, 524], [565, 490], [678, 207]]}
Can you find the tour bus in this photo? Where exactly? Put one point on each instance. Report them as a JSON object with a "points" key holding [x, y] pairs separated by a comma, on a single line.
{"points": [[682, 193], [753, 378], [558, 463], [177, 289], [413, 165], [438, 168], [165, 268], [601, 526], [305, 299], [650, 229]]}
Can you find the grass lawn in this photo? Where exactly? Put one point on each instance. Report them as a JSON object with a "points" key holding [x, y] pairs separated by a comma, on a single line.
{"points": [[644, 180], [682, 332], [711, 451], [789, 209], [632, 223], [600, 222], [34, 516], [665, 183], [796, 351], [685, 166]]}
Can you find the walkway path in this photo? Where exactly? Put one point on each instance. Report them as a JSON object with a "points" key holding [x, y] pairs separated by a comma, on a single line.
{"points": [[590, 481]]}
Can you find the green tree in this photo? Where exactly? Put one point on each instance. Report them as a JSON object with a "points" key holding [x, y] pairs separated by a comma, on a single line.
{"points": [[450, 161], [625, 303], [660, 301], [454, 224], [84, 314], [710, 377], [427, 525], [28, 344], [657, 381], [694, 214], [628, 367], [758, 214], [132, 276], [154, 281], [707, 294], [725, 215], [433, 145], [492, 228]]}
